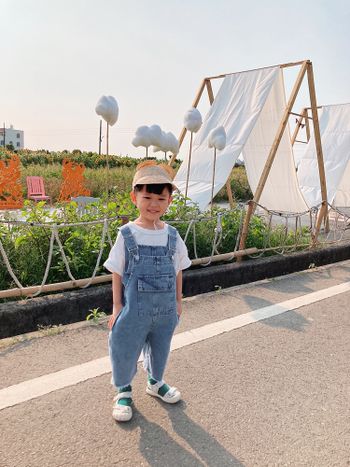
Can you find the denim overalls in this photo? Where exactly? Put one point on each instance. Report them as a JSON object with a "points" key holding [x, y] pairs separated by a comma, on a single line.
{"points": [[149, 315]]}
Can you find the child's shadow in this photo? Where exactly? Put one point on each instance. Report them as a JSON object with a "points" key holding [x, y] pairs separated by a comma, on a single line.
{"points": [[205, 445], [158, 448]]}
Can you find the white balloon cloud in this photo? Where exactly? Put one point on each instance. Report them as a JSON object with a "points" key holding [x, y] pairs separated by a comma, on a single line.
{"points": [[217, 138], [107, 108], [154, 136], [192, 120], [168, 142], [142, 137]]}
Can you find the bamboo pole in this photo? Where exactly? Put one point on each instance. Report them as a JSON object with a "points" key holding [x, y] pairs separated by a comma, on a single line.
{"points": [[194, 104], [28, 291], [317, 135], [272, 154], [283, 65], [210, 91], [302, 114], [225, 256], [59, 286], [296, 130], [307, 125]]}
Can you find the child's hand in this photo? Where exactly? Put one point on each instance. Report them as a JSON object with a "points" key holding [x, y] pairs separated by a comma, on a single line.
{"points": [[179, 308], [114, 316]]}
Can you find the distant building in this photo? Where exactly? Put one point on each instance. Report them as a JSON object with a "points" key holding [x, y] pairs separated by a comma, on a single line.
{"points": [[12, 136]]}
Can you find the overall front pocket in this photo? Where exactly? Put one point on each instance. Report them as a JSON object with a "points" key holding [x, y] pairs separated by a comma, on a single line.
{"points": [[156, 294]]}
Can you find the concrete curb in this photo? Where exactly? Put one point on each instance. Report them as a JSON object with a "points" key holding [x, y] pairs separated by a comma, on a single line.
{"points": [[26, 315]]}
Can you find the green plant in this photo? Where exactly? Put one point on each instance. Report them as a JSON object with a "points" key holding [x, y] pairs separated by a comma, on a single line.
{"points": [[50, 330], [27, 245], [95, 315]]}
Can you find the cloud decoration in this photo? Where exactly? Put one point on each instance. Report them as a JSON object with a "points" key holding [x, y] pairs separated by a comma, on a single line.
{"points": [[192, 120], [142, 137], [217, 138], [107, 108], [156, 135], [172, 143], [168, 142]]}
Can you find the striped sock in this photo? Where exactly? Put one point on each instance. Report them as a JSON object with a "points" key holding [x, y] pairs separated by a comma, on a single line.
{"points": [[125, 400], [162, 390]]}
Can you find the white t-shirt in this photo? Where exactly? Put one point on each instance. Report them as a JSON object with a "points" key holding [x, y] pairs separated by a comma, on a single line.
{"points": [[116, 259]]}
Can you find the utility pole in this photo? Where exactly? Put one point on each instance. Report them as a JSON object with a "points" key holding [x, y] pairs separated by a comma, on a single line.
{"points": [[4, 135], [100, 139]]}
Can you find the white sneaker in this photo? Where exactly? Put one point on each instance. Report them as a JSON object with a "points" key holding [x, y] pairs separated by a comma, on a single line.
{"points": [[121, 413], [172, 396]]}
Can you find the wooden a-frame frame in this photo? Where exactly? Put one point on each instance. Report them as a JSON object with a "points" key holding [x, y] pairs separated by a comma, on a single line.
{"points": [[306, 68]]}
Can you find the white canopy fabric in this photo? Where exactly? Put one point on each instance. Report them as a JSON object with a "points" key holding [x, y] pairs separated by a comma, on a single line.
{"points": [[236, 107], [281, 191], [249, 105], [342, 196], [335, 137]]}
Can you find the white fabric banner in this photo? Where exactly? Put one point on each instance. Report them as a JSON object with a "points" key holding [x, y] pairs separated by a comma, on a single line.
{"points": [[281, 191], [236, 107], [335, 137], [342, 196]]}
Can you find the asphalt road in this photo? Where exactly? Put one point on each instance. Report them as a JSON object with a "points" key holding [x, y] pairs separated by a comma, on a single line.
{"points": [[272, 393]]}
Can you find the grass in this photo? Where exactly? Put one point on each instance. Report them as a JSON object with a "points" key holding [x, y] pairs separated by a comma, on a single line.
{"points": [[50, 330], [119, 179]]}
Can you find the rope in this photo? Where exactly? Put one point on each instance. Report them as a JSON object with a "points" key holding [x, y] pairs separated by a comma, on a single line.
{"points": [[49, 258], [8, 265], [339, 223], [102, 247]]}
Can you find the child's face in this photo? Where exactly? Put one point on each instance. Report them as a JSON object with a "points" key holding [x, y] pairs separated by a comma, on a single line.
{"points": [[150, 205]]}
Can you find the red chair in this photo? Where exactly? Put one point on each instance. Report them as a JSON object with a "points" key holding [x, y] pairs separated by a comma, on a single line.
{"points": [[36, 189]]}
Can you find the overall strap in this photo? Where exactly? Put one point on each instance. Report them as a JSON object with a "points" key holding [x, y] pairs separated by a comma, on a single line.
{"points": [[172, 237], [129, 241]]}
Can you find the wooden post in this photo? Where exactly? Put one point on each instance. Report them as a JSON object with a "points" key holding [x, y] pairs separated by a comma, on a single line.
{"points": [[307, 125], [107, 161], [213, 182], [194, 104], [210, 91], [303, 116], [188, 166], [229, 192], [297, 128], [272, 155], [322, 215], [317, 135]]}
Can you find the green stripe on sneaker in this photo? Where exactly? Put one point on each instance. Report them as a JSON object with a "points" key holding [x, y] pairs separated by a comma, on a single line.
{"points": [[125, 400], [163, 390]]}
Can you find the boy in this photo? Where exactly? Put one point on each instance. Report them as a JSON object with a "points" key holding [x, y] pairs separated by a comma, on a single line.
{"points": [[146, 261]]}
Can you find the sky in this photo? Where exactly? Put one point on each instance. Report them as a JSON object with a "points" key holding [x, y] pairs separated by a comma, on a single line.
{"points": [[58, 57]]}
